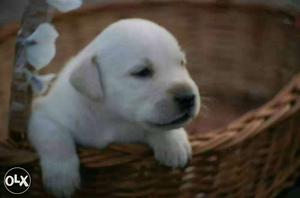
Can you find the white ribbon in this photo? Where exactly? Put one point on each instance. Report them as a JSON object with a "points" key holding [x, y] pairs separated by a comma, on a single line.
{"points": [[39, 83], [40, 46], [65, 5]]}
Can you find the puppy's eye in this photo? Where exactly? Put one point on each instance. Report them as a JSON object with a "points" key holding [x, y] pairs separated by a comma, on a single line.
{"points": [[143, 73]]}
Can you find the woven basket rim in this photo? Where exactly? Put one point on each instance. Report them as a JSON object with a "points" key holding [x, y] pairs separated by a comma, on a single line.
{"points": [[248, 125]]}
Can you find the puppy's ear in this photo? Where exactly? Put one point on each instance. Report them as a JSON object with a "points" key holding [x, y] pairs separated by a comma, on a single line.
{"points": [[86, 79]]}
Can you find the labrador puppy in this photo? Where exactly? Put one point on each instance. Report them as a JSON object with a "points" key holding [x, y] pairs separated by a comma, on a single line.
{"points": [[129, 85]]}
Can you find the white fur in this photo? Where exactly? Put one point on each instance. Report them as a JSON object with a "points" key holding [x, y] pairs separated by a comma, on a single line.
{"points": [[94, 107]]}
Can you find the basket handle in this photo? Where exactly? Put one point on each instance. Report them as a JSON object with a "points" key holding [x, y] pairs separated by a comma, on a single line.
{"points": [[36, 12]]}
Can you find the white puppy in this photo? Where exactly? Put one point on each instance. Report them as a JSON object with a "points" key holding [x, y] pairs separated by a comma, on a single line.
{"points": [[128, 85]]}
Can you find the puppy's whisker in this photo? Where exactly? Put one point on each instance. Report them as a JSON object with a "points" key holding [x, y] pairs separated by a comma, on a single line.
{"points": [[205, 111], [206, 103]]}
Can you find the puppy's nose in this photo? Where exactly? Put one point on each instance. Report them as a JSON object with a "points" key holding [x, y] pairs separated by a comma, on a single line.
{"points": [[185, 101]]}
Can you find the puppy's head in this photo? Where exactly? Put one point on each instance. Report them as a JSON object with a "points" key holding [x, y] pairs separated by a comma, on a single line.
{"points": [[137, 70]]}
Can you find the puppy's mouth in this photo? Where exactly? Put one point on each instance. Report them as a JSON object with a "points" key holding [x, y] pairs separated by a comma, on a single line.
{"points": [[180, 119]]}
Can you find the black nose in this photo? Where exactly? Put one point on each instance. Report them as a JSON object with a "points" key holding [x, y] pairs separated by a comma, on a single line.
{"points": [[185, 101]]}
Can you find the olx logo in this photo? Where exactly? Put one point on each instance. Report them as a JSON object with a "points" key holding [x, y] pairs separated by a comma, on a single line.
{"points": [[17, 180]]}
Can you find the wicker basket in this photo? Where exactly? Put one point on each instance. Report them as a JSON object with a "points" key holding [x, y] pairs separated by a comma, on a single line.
{"points": [[239, 55]]}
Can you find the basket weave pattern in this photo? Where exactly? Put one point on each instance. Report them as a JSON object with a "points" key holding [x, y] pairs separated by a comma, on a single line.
{"points": [[233, 52]]}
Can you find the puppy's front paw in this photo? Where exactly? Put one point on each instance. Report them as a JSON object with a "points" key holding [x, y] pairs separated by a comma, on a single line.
{"points": [[173, 150], [61, 178]]}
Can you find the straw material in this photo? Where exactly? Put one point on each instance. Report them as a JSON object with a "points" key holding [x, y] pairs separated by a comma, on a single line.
{"points": [[235, 53]]}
